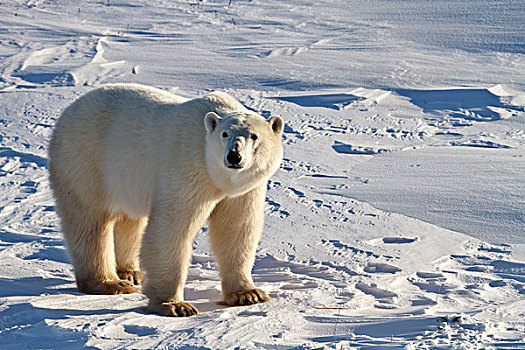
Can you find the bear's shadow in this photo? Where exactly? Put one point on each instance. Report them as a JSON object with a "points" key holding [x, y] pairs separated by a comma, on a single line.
{"points": [[35, 286]]}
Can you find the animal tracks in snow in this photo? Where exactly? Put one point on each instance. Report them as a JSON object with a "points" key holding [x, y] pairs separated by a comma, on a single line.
{"points": [[403, 283], [340, 248], [381, 268], [273, 208], [392, 240], [284, 51], [398, 240], [382, 295], [343, 148], [440, 117], [337, 210]]}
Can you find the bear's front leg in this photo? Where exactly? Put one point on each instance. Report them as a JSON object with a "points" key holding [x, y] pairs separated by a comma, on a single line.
{"points": [[166, 253], [235, 229]]}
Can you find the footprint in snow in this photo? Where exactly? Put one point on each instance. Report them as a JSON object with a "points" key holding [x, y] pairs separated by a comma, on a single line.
{"points": [[429, 275], [503, 249], [344, 148], [340, 247], [29, 187], [284, 51], [433, 282], [140, 331], [399, 240], [382, 295], [381, 268], [448, 135], [423, 301], [295, 193], [274, 209], [296, 275]]}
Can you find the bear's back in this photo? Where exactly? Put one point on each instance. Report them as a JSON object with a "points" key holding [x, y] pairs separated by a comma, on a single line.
{"points": [[112, 137]]}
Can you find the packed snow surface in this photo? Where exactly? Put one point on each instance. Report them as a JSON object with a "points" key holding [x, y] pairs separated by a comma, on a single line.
{"points": [[395, 221]]}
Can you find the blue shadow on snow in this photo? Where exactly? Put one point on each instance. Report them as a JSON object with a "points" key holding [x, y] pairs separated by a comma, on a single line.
{"points": [[332, 101], [475, 100]]}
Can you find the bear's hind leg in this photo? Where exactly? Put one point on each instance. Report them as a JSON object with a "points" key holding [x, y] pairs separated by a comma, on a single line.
{"points": [[128, 236], [89, 238], [235, 228]]}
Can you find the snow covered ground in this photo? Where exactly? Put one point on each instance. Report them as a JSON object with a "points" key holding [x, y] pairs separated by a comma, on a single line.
{"points": [[400, 200]]}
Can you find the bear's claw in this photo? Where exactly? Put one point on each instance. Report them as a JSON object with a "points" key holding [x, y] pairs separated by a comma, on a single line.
{"points": [[133, 276], [248, 297], [107, 287], [176, 309]]}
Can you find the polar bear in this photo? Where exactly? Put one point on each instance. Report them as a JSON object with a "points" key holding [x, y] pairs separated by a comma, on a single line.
{"points": [[126, 159]]}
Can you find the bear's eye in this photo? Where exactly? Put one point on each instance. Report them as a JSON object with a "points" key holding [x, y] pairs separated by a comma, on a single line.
{"points": [[225, 134], [254, 137]]}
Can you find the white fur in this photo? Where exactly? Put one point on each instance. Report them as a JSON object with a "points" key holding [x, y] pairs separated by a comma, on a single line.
{"points": [[123, 156]]}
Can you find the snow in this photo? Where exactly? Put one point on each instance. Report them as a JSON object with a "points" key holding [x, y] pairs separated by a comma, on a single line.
{"points": [[395, 221], [472, 198]]}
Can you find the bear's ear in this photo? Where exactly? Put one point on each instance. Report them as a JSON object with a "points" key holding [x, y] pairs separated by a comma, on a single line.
{"points": [[277, 124], [211, 119]]}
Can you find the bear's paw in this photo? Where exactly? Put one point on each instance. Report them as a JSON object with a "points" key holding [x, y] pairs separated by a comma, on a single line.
{"points": [[107, 287], [248, 297], [174, 309], [133, 276]]}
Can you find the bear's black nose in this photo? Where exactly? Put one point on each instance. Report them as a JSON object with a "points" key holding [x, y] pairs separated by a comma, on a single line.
{"points": [[234, 158]]}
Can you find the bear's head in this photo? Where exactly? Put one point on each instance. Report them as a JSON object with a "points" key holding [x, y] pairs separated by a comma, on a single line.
{"points": [[242, 149]]}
